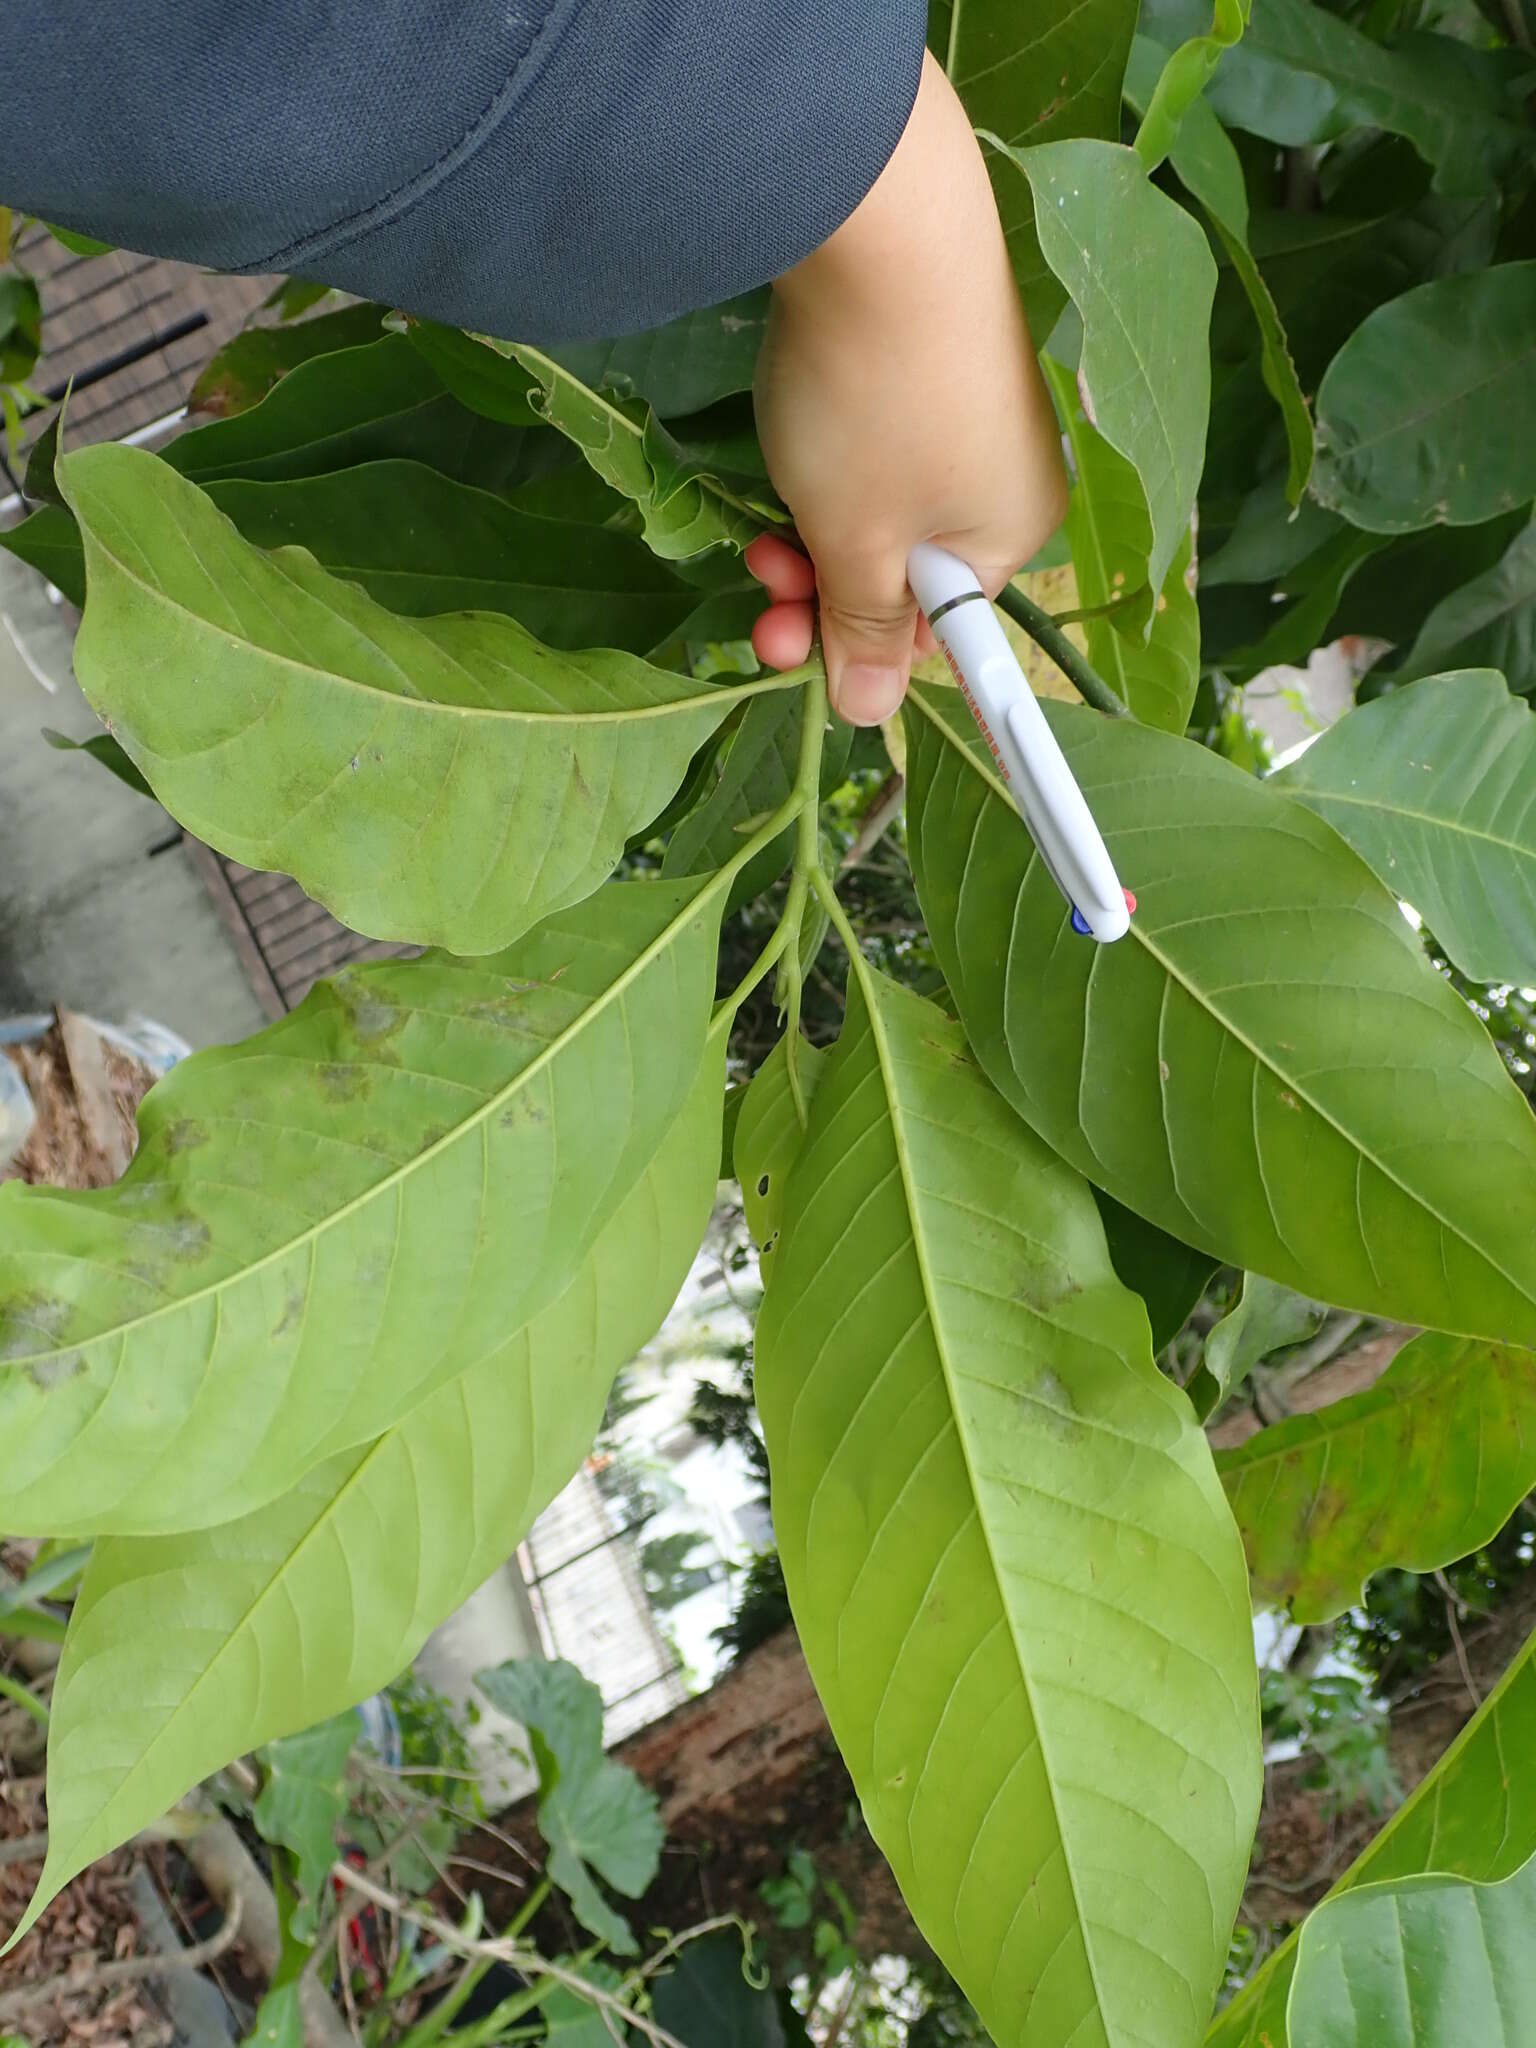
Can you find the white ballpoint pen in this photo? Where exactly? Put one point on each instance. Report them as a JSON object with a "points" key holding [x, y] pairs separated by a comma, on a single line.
{"points": [[1022, 745]]}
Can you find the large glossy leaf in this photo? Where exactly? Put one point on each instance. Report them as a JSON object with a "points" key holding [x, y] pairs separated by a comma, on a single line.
{"points": [[421, 544], [244, 370], [185, 1651], [1014, 1578], [1421, 1963], [1061, 79], [1425, 416], [1420, 1469], [753, 775], [1474, 1816], [770, 1137], [1141, 275], [447, 780], [1207, 163], [1303, 75], [1490, 621], [1111, 541], [1267, 1065], [594, 1814], [688, 364], [1435, 787], [685, 508], [326, 1222]]}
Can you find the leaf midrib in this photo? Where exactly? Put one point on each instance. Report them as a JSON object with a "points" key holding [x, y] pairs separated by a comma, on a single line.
{"points": [[1322, 793], [407, 1167], [730, 694], [930, 1297], [1259, 1057]]}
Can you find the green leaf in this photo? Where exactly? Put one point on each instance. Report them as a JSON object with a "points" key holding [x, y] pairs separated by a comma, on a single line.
{"points": [[1422, 1468], [1425, 416], [48, 540], [354, 405], [244, 370], [1182, 75], [279, 2021], [1435, 788], [103, 748], [1267, 1065], [332, 1588], [478, 373], [1473, 1816], [1490, 622], [770, 1137], [447, 780], [1265, 1318], [684, 509], [1154, 675], [1141, 275], [707, 2001], [1061, 79], [1170, 1276], [41, 484], [1303, 75], [78, 244], [301, 1803], [292, 296], [953, 1384], [421, 544], [1208, 166], [1419, 1964], [21, 326], [244, 1309], [752, 776], [1316, 590], [692, 362], [594, 1814]]}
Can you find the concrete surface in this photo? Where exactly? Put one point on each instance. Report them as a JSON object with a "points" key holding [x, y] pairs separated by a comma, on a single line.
{"points": [[100, 908]]}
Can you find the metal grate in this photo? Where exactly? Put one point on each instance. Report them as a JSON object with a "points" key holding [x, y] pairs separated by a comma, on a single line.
{"points": [[131, 331]]}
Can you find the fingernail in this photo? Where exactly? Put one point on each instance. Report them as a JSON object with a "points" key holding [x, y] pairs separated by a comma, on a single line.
{"points": [[867, 693]]}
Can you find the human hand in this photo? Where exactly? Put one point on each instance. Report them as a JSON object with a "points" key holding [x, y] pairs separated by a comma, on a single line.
{"points": [[899, 400]]}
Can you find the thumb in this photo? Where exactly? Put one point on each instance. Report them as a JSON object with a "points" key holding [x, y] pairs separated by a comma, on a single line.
{"points": [[868, 617]]}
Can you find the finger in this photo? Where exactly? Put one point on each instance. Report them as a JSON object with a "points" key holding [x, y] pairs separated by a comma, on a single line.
{"points": [[868, 617], [926, 644], [783, 570], [781, 636]]}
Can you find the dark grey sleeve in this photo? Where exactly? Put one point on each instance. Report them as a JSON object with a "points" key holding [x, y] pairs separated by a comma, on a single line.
{"points": [[544, 169]]}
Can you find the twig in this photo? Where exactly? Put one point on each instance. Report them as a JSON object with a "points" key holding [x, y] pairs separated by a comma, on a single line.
{"points": [[131, 1971], [877, 820], [1045, 633], [528, 1960], [1451, 1604]]}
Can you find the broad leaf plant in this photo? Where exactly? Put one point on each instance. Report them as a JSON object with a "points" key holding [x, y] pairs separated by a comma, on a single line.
{"points": [[449, 629]]}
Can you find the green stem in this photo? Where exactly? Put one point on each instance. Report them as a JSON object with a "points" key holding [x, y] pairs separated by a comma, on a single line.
{"points": [[436, 2023], [13, 1689], [1107, 610], [1045, 633], [813, 728], [840, 921]]}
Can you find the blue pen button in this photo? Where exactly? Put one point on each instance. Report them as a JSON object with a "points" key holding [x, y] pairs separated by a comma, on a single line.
{"points": [[1080, 923]]}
